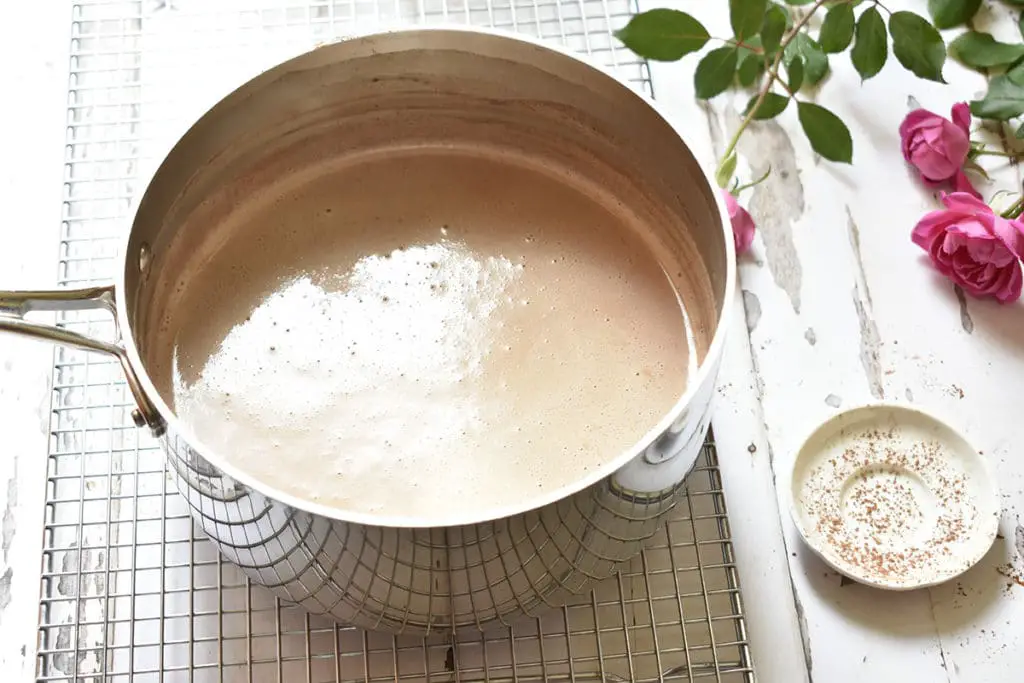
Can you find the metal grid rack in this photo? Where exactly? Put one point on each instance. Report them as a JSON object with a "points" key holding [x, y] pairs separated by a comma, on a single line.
{"points": [[131, 591]]}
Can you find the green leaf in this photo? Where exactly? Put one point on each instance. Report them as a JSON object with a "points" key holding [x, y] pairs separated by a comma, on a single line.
{"points": [[1020, 23], [773, 105], [725, 170], [871, 46], [796, 3], [772, 29], [981, 50], [815, 60], [663, 35], [795, 72], [1005, 96], [746, 17], [715, 72], [789, 15], [751, 66], [751, 63], [826, 132], [950, 13], [917, 45], [837, 29], [1019, 133]]}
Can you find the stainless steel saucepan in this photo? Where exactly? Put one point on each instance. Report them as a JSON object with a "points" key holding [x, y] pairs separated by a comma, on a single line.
{"points": [[371, 570]]}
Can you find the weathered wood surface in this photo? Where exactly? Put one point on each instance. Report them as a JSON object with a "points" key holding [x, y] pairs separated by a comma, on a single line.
{"points": [[33, 80], [837, 307], [841, 308]]}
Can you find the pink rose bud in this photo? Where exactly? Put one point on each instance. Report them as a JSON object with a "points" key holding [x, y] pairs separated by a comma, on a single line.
{"points": [[937, 147], [974, 247], [961, 183], [742, 223]]}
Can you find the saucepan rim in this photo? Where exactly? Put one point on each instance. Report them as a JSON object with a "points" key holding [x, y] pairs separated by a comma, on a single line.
{"points": [[179, 428]]}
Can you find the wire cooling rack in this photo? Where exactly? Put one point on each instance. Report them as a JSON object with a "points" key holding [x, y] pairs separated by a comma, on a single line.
{"points": [[131, 591]]}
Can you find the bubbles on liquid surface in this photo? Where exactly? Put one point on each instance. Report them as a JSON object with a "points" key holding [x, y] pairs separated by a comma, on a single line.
{"points": [[466, 356]]}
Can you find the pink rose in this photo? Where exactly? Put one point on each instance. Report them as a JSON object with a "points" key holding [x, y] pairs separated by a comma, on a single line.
{"points": [[742, 223], [974, 247], [937, 147]]}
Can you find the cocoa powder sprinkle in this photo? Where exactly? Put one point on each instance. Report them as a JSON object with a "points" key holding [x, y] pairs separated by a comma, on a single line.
{"points": [[890, 507]]}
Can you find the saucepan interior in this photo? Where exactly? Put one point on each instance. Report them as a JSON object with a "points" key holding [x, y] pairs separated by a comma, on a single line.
{"points": [[338, 149]]}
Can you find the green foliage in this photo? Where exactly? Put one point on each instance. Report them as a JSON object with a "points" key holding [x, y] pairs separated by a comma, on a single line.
{"points": [[837, 29], [814, 58], [871, 44], [746, 17], [1004, 62], [751, 63], [779, 54], [950, 13], [1005, 97], [981, 50], [795, 71], [715, 72], [771, 106], [774, 25], [725, 170], [917, 45], [826, 132], [663, 35]]}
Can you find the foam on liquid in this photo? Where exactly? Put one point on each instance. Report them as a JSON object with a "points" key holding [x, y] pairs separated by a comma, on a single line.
{"points": [[488, 334]]}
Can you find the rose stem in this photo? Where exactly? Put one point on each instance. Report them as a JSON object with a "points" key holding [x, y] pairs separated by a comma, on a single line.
{"points": [[995, 153], [773, 75], [1015, 209]]}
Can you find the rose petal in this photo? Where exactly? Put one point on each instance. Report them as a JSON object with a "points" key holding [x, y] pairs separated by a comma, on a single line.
{"points": [[987, 252], [965, 203], [1012, 289], [943, 182], [971, 229], [935, 146], [956, 142], [974, 247], [743, 227], [961, 183], [913, 121], [1010, 233], [933, 164], [961, 115], [931, 227]]}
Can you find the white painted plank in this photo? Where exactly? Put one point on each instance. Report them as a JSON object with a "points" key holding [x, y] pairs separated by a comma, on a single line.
{"points": [[854, 633], [738, 423], [776, 642], [849, 310], [34, 43]]}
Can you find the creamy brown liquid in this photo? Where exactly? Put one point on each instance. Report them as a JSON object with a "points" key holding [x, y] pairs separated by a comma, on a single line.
{"points": [[489, 333]]}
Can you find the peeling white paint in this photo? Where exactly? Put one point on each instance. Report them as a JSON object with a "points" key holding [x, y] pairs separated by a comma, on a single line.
{"points": [[31, 178], [870, 318], [910, 319], [777, 203]]}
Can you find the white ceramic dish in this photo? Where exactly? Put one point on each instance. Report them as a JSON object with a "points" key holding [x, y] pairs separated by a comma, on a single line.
{"points": [[893, 497]]}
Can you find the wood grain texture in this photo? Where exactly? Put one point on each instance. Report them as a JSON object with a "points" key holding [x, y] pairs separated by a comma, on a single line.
{"points": [[35, 37], [838, 307], [841, 308]]}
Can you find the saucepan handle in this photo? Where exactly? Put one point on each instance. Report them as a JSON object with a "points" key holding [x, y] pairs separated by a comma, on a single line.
{"points": [[15, 305]]}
